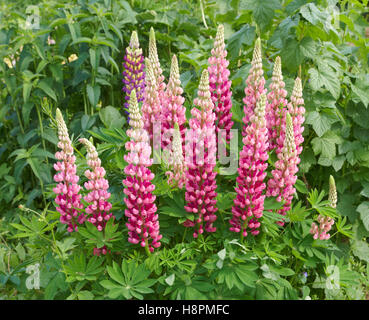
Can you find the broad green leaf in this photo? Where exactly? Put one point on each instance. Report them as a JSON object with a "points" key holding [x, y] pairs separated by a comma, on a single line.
{"points": [[363, 209]]}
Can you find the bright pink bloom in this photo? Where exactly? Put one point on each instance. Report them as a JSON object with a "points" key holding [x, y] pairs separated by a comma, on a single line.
{"points": [[254, 85], [220, 85], [284, 174], [143, 223], [276, 107], [200, 160], [98, 209], [321, 231], [67, 190], [249, 203]]}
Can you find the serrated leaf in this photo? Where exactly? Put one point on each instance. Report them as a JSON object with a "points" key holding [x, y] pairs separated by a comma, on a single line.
{"points": [[363, 209]]}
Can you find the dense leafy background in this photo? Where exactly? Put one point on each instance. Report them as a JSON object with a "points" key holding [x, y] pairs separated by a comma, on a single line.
{"points": [[81, 74]]}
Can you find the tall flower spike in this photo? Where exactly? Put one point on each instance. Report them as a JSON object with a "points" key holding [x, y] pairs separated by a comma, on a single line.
{"points": [[153, 56], [254, 85], [98, 209], [173, 111], [249, 203], [67, 190], [200, 160], [297, 111], [133, 74], [277, 107], [332, 197], [284, 174], [143, 223], [176, 174], [151, 107], [220, 85]]}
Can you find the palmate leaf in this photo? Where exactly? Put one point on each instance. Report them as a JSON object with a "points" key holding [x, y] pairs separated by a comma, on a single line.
{"points": [[77, 269], [129, 280]]}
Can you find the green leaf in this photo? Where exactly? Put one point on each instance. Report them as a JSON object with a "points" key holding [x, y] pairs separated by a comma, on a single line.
{"points": [[321, 122], [326, 145], [263, 10], [360, 249], [93, 94], [111, 117], [44, 86], [326, 77], [363, 209], [244, 36]]}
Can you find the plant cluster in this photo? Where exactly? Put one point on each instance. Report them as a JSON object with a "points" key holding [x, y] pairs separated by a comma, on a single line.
{"points": [[116, 140]]}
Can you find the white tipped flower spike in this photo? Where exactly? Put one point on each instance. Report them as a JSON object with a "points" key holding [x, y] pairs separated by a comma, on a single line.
{"points": [[289, 141], [260, 111], [174, 78], [134, 40], [135, 119], [256, 57], [64, 140], [332, 197]]}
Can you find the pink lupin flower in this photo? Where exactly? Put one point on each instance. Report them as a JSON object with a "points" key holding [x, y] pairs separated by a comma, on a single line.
{"points": [[200, 160], [98, 209], [254, 85], [220, 85], [284, 174], [151, 107], [67, 190], [173, 111], [249, 203], [325, 223], [276, 107], [143, 223]]}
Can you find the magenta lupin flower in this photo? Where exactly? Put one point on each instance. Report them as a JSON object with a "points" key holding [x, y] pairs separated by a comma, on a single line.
{"points": [[220, 85], [200, 160], [151, 106], [143, 223], [98, 209], [254, 85], [276, 107], [284, 174], [173, 111], [133, 74], [249, 203], [67, 189]]}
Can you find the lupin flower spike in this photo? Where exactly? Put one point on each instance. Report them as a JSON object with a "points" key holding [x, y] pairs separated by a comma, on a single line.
{"points": [[297, 111], [151, 107], [200, 160], [276, 107], [98, 209], [249, 203], [153, 56], [143, 223], [176, 174], [332, 197], [325, 223], [284, 174], [220, 85], [254, 85], [173, 111], [133, 74], [67, 190]]}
